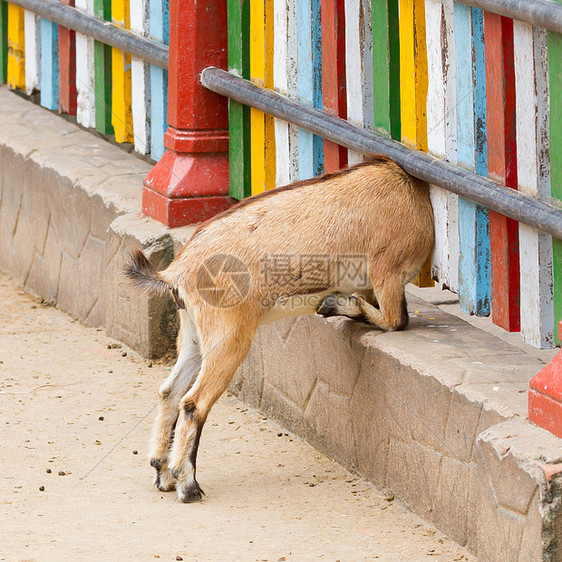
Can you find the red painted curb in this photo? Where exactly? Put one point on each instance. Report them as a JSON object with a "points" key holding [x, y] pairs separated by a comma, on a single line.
{"points": [[545, 397]]}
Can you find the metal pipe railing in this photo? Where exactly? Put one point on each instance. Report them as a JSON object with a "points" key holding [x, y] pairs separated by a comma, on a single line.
{"points": [[104, 31], [542, 13], [506, 201]]}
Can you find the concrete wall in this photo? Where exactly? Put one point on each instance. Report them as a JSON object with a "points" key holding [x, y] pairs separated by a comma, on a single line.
{"points": [[60, 191]]}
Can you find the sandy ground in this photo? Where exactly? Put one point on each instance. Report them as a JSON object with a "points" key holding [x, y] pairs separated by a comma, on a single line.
{"points": [[76, 410]]}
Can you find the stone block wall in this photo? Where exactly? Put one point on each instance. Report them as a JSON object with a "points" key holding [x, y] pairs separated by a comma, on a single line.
{"points": [[419, 422], [61, 189]]}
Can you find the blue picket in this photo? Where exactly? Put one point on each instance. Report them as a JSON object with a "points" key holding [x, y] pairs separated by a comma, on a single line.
{"points": [[305, 83], [474, 241], [159, 31], [49, 79]]}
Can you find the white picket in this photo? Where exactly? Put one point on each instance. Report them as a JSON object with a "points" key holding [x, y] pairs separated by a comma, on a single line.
{"points": [[140, 81], [32, 51], [85, 75], [535, 248]]}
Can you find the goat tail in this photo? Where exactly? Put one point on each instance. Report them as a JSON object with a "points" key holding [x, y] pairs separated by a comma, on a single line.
{"points": [[143, 276]]}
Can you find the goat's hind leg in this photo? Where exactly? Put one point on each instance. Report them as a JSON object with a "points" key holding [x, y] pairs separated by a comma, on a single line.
{"points": [[222, 356], [172, 390]]}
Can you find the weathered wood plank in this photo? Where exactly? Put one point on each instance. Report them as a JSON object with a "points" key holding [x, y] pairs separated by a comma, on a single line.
{"points": [[268, 82], [304, 83], [49, 82], [121, 104], [317, 142], [555, 77], [280, 83], [16, 47], [159, 30], [441, 113], [474, 245], [67, 68], [85, 73], [330, 85], [239, 115], [140, 79], [533, 174], [502, 167], [103, 74], [292, 86], [359, 67], [257, 75], [32, 51], [3, 42], [414, 83]]}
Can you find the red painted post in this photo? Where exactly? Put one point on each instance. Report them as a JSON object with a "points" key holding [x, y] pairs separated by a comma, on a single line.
{"points": [[502, 167], [545, 395], [330, 77], [334, 96], [342, 91], [190, 183], [67, 67]]}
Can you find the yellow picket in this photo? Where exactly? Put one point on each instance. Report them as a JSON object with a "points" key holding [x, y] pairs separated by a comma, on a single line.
{"points": [[413, 89], [122, 113], [16, 47]]}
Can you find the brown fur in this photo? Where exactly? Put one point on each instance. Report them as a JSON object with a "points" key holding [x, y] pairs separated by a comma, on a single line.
{"points": [[374, 210]]}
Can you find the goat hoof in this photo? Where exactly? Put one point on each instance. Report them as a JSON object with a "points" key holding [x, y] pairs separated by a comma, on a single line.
{"points": [[164, 481], [329, 305], [157, 464], [189, 491]]}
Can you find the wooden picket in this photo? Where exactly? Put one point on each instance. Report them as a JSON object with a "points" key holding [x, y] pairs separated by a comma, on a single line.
{"points": [[3, 41], [239, 119], [304, 83], [502, 167], [49, 79], [158, 26], [281, 82], [67, 68], [555, 129], [103, 74], [121, 100], [533, 174], [16, 47], [442, 133], [32, 51], [85, 72], [473, 225], [333, 75], [140, 83], [414, 85], [261, 71]]}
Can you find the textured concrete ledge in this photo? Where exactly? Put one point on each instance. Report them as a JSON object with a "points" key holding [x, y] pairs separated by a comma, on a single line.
{"points": [[61, 188], [437, 413]]}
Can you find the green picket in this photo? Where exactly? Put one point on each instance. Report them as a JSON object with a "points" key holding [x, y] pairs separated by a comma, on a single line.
{"points": [[3, 42], [555, 72], [102, 69], [386, 67], [239, 114]]}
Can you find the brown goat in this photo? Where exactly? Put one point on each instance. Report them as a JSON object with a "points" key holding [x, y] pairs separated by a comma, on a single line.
{"points": [[343, 244]]}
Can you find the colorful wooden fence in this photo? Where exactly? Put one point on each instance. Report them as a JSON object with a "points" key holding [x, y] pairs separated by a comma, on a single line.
{"points": [[105, 88], [468, 86], [474, 88]]}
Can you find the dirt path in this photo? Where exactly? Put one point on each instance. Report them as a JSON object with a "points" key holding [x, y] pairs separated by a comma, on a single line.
{"points": [[76, 485]]}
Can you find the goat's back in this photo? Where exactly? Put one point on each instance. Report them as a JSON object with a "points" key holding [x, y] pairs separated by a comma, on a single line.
{"points": [[373, 209]]}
